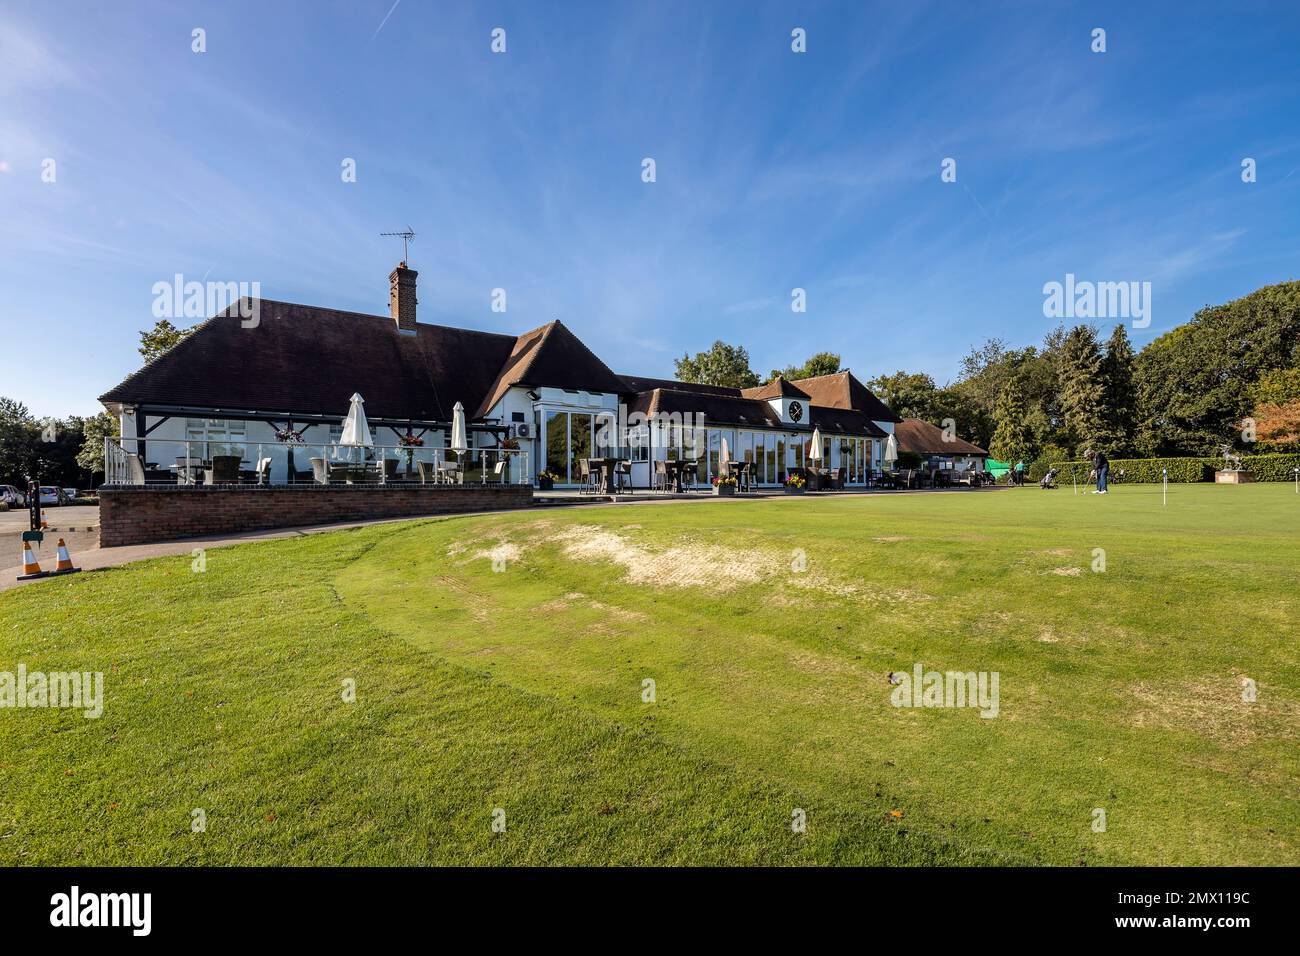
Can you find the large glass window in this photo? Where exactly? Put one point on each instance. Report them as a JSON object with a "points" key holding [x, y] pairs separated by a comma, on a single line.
{"points": [[557, 444], [579, 443]]}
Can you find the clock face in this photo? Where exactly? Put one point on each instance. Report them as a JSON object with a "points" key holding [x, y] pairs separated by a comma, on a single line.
{"points": [[796, 412]]}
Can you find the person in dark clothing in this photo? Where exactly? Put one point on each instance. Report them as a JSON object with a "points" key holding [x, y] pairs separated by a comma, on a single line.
{"points": [[1101, 464]]}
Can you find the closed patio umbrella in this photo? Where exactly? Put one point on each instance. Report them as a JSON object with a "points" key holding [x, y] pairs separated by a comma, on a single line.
{"points": [[356, 430], [815, 452], [459, 443], [726, 454], [891, 450]]}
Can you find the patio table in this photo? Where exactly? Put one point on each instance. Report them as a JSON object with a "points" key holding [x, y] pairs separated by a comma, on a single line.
{"points": [[674, 469]]}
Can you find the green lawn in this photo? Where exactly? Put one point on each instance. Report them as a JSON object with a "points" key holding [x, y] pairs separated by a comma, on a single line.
{"points": [[521, 688]]}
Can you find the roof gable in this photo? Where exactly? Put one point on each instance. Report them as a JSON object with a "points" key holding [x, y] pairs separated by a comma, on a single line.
{"points": [[843, 390], [551, 356]]}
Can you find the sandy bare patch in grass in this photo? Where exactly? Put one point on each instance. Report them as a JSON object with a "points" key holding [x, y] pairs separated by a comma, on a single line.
{"points": [[712, 566], [890, 539], [1213, 707], [502, 551], [578, 599], [1068, 572]]}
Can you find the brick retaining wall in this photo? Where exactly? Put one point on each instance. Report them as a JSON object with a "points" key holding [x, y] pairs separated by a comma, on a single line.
{"points": [[144, 514]]}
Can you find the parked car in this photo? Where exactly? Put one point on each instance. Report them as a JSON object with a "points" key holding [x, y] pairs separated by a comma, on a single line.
{"points": [[12, 496], [70, 494], [51, 495]]}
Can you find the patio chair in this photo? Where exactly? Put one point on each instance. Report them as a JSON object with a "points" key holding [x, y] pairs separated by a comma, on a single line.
{"points": [[499, 469], [452, 473], [838, 477], [263, 471], [319, 472], [428, 472], [135, 469], [660, 480], [623, 475], [691, 471], [743, 469], [224, 470], [390, 469]]}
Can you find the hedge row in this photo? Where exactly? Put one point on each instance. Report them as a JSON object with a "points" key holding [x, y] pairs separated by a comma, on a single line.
{"points": [[1149, 470]]}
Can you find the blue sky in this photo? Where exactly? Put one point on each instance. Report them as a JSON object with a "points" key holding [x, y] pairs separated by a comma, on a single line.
{"points": [[522, 171]]}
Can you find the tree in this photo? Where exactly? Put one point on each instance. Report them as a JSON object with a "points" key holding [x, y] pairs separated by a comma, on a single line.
{"points": [[909, 394], [1193, 383], [1276, 399], [1013, 440], [1120, 395], [154, 342], [823, 363], [19, 434], [94, 431], [1081, 390], [722, 364]]}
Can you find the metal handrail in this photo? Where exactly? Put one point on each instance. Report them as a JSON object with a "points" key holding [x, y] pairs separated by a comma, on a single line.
{"points": [[167, 461]]}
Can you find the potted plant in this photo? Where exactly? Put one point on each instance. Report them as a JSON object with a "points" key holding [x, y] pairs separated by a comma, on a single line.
{"points": [[410, 443], [795, 484], [724, 487], [507, 445], [546, 481]]}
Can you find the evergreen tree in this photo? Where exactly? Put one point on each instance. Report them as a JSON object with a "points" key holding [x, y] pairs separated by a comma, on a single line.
{"points": [[1012, 437], [1120, 396], [1082, 400]]}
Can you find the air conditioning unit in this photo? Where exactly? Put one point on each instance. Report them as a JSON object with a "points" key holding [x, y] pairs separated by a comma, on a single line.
{"points": [[523, 430]]}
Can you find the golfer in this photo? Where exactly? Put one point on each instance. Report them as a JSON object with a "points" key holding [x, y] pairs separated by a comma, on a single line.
{"points": [[1100, 464]]}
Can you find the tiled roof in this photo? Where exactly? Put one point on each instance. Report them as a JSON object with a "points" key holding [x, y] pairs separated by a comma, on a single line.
{"points": [[306, 359], [716, 409], [921, 437], [843, 390], [844, 421], [777, 388], [641, 383]]}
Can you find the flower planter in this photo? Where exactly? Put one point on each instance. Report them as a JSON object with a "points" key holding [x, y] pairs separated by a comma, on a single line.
{"points": [[724, 491], [545, 484], [793, 491]]}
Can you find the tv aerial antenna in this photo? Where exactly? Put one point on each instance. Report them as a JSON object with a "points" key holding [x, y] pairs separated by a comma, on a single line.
{"points": [[407, 236]]}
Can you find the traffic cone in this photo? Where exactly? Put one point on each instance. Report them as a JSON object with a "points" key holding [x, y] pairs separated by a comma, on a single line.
{"points": [[65, 561], [31, 567]]}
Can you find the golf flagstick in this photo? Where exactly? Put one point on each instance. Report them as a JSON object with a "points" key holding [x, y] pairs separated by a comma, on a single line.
{"points": [[1164, 472], [1297, 480]]}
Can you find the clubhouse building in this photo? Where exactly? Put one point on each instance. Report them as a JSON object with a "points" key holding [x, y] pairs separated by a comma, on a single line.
{"points": [[277, 388]]}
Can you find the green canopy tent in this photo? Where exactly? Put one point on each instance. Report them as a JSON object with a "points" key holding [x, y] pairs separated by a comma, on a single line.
{"points": [[998, 468]]}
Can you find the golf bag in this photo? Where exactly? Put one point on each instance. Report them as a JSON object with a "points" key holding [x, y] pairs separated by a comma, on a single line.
{"points": [[1049, 479]]}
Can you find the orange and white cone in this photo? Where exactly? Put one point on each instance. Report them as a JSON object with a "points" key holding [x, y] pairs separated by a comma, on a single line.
{"points": [[65, 560], [31, 567]]}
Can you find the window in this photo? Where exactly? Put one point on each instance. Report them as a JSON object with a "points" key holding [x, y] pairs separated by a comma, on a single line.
{"points": [[638, 440], [215, 436]]}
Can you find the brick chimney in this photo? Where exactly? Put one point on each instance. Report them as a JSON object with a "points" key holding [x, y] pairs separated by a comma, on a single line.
{"points": [[402, 300]]}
